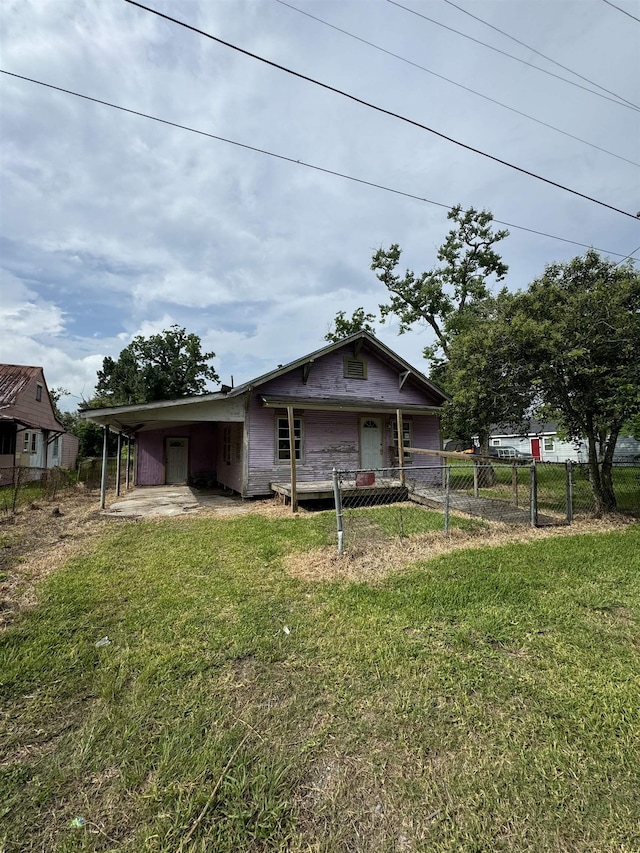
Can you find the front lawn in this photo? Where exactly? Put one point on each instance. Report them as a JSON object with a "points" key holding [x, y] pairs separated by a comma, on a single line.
{"points": [[487, 700]]}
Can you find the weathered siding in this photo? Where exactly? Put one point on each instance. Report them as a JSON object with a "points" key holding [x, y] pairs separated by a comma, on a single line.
{"points": [[37, 412], [230, 469], [69, 451], [150, 456], [329, 439], [326, 379]]}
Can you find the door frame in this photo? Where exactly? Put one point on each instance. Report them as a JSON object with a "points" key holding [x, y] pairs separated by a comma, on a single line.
{"points": [[536, 453], [167, 439], [380, 420]]}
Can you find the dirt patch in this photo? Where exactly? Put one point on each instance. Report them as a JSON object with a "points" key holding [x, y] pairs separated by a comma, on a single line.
{"points": [[41, 537], [369, 562]]}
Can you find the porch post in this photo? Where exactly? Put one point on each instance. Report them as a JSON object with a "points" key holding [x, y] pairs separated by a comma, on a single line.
{"points": [[118, 464], [103, 478], [400, 445], [126, 476], [292, 457]]}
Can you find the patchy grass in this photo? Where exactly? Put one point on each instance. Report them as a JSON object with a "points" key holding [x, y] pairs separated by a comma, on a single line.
{"points": [[485, 700]]}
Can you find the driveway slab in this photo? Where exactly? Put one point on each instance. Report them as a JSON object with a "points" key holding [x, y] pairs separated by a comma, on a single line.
{"points": [[149, 501]]}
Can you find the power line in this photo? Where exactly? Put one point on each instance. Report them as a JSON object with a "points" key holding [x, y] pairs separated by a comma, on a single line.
{"points": [[380, 109], [624, 12], [454, 83], [511, 56], [626, 257], [539, 53], [294, 161]]}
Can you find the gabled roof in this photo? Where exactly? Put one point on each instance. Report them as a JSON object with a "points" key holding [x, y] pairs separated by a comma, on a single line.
{"points": [[389, 355], [14, 381], [14, 378], [109, 414]]}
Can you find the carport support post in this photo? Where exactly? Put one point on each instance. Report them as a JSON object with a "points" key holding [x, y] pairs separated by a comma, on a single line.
{"points": [[126, 476], [103, 478], [118, 464], [292, 457]]}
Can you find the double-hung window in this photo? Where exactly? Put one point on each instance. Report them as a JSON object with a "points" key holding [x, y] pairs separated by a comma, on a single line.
{"points": [[406, 439], [282, 439]]}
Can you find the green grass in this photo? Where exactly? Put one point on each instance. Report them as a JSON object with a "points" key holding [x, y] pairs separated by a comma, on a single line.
{"points": [[552, 486], [488, 700]]}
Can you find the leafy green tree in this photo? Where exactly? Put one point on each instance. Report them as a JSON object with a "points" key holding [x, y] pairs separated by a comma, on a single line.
{"points": [[578, 329], [342, 327], [486, 377], [161, 367], [448, 298]]}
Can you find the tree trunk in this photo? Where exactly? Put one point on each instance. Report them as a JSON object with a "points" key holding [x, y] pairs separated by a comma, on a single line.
{"points": [[600, 474], [486, 474]]}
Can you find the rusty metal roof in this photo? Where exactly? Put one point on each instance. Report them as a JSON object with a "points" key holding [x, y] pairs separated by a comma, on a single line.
{"points": [[14, 378]]}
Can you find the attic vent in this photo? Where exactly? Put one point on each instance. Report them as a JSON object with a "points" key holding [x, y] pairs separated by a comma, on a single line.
{"points": [[355, 368]]}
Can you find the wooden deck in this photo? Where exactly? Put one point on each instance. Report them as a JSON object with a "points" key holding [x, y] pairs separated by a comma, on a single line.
{"points": [[320, 490]]}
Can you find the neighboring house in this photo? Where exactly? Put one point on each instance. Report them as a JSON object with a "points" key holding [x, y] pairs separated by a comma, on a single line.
{"points": [[343, 401], [30, 435], [542, 442]]}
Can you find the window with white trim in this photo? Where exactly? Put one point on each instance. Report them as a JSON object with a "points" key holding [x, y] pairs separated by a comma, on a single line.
{"points": [[496, 442], [549, 444], [55, 447], [34, 442], [282, 439], [25, 444], [38, 392], [406, 439]]}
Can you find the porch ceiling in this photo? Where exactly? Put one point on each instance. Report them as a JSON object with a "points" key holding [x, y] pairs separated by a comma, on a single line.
{"points": [[339, 404]]}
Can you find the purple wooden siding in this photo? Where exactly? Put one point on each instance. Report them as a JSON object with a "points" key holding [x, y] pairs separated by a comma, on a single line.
{"points": [[230, 470], [150, 453], [328, 439], [326, 379]]}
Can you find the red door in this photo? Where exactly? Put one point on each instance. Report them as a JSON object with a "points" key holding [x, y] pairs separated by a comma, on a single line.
{"points": [[535, 448]]}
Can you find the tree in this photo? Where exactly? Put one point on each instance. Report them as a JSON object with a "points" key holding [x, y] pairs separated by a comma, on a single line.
{"points": [[342, 327], [486, 377], [161, 367], [447, 298], [578, 328]]}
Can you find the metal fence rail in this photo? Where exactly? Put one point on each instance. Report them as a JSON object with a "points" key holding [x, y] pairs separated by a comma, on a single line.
{"points": [[391, 502]]}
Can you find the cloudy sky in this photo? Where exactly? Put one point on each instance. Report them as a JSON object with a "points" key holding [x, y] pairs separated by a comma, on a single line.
{"points": [[114, 225]]}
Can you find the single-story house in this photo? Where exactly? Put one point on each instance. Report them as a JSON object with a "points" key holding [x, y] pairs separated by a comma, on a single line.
{"points": [[343, 404], [541, 440], [30, 434]]}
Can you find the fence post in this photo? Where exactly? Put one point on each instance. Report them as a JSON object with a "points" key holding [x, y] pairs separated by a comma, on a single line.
{"points": [[338, 502], [514, 483], [569, 491], [533, 499], [475, 479], [447, 495]]}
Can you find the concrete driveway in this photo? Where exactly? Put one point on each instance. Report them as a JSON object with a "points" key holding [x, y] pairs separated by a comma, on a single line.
{"points": [[149, 501]]}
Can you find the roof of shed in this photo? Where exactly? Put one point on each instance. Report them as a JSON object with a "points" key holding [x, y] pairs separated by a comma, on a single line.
{"points": [[14, 378]]}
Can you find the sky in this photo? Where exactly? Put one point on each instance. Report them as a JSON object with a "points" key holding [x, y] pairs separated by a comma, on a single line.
{"points": [[113, 225]]}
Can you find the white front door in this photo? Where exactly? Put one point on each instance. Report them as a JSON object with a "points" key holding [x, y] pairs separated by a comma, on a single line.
{"points": [[371, 449], [177, 461]]}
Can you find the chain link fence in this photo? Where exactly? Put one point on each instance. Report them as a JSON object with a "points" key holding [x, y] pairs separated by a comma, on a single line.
{"points": [[403, 502]]}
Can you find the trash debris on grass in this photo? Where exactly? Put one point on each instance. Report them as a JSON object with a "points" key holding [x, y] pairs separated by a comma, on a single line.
{"points": [[77, 821], [102, 642], [286, 630]]}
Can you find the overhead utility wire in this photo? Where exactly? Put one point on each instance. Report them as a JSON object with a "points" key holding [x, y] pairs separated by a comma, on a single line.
{"points": [[539, 53], [453, 82], [626, 257], [379, 109], [624, 12], [511, 56], [292, 160]]}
